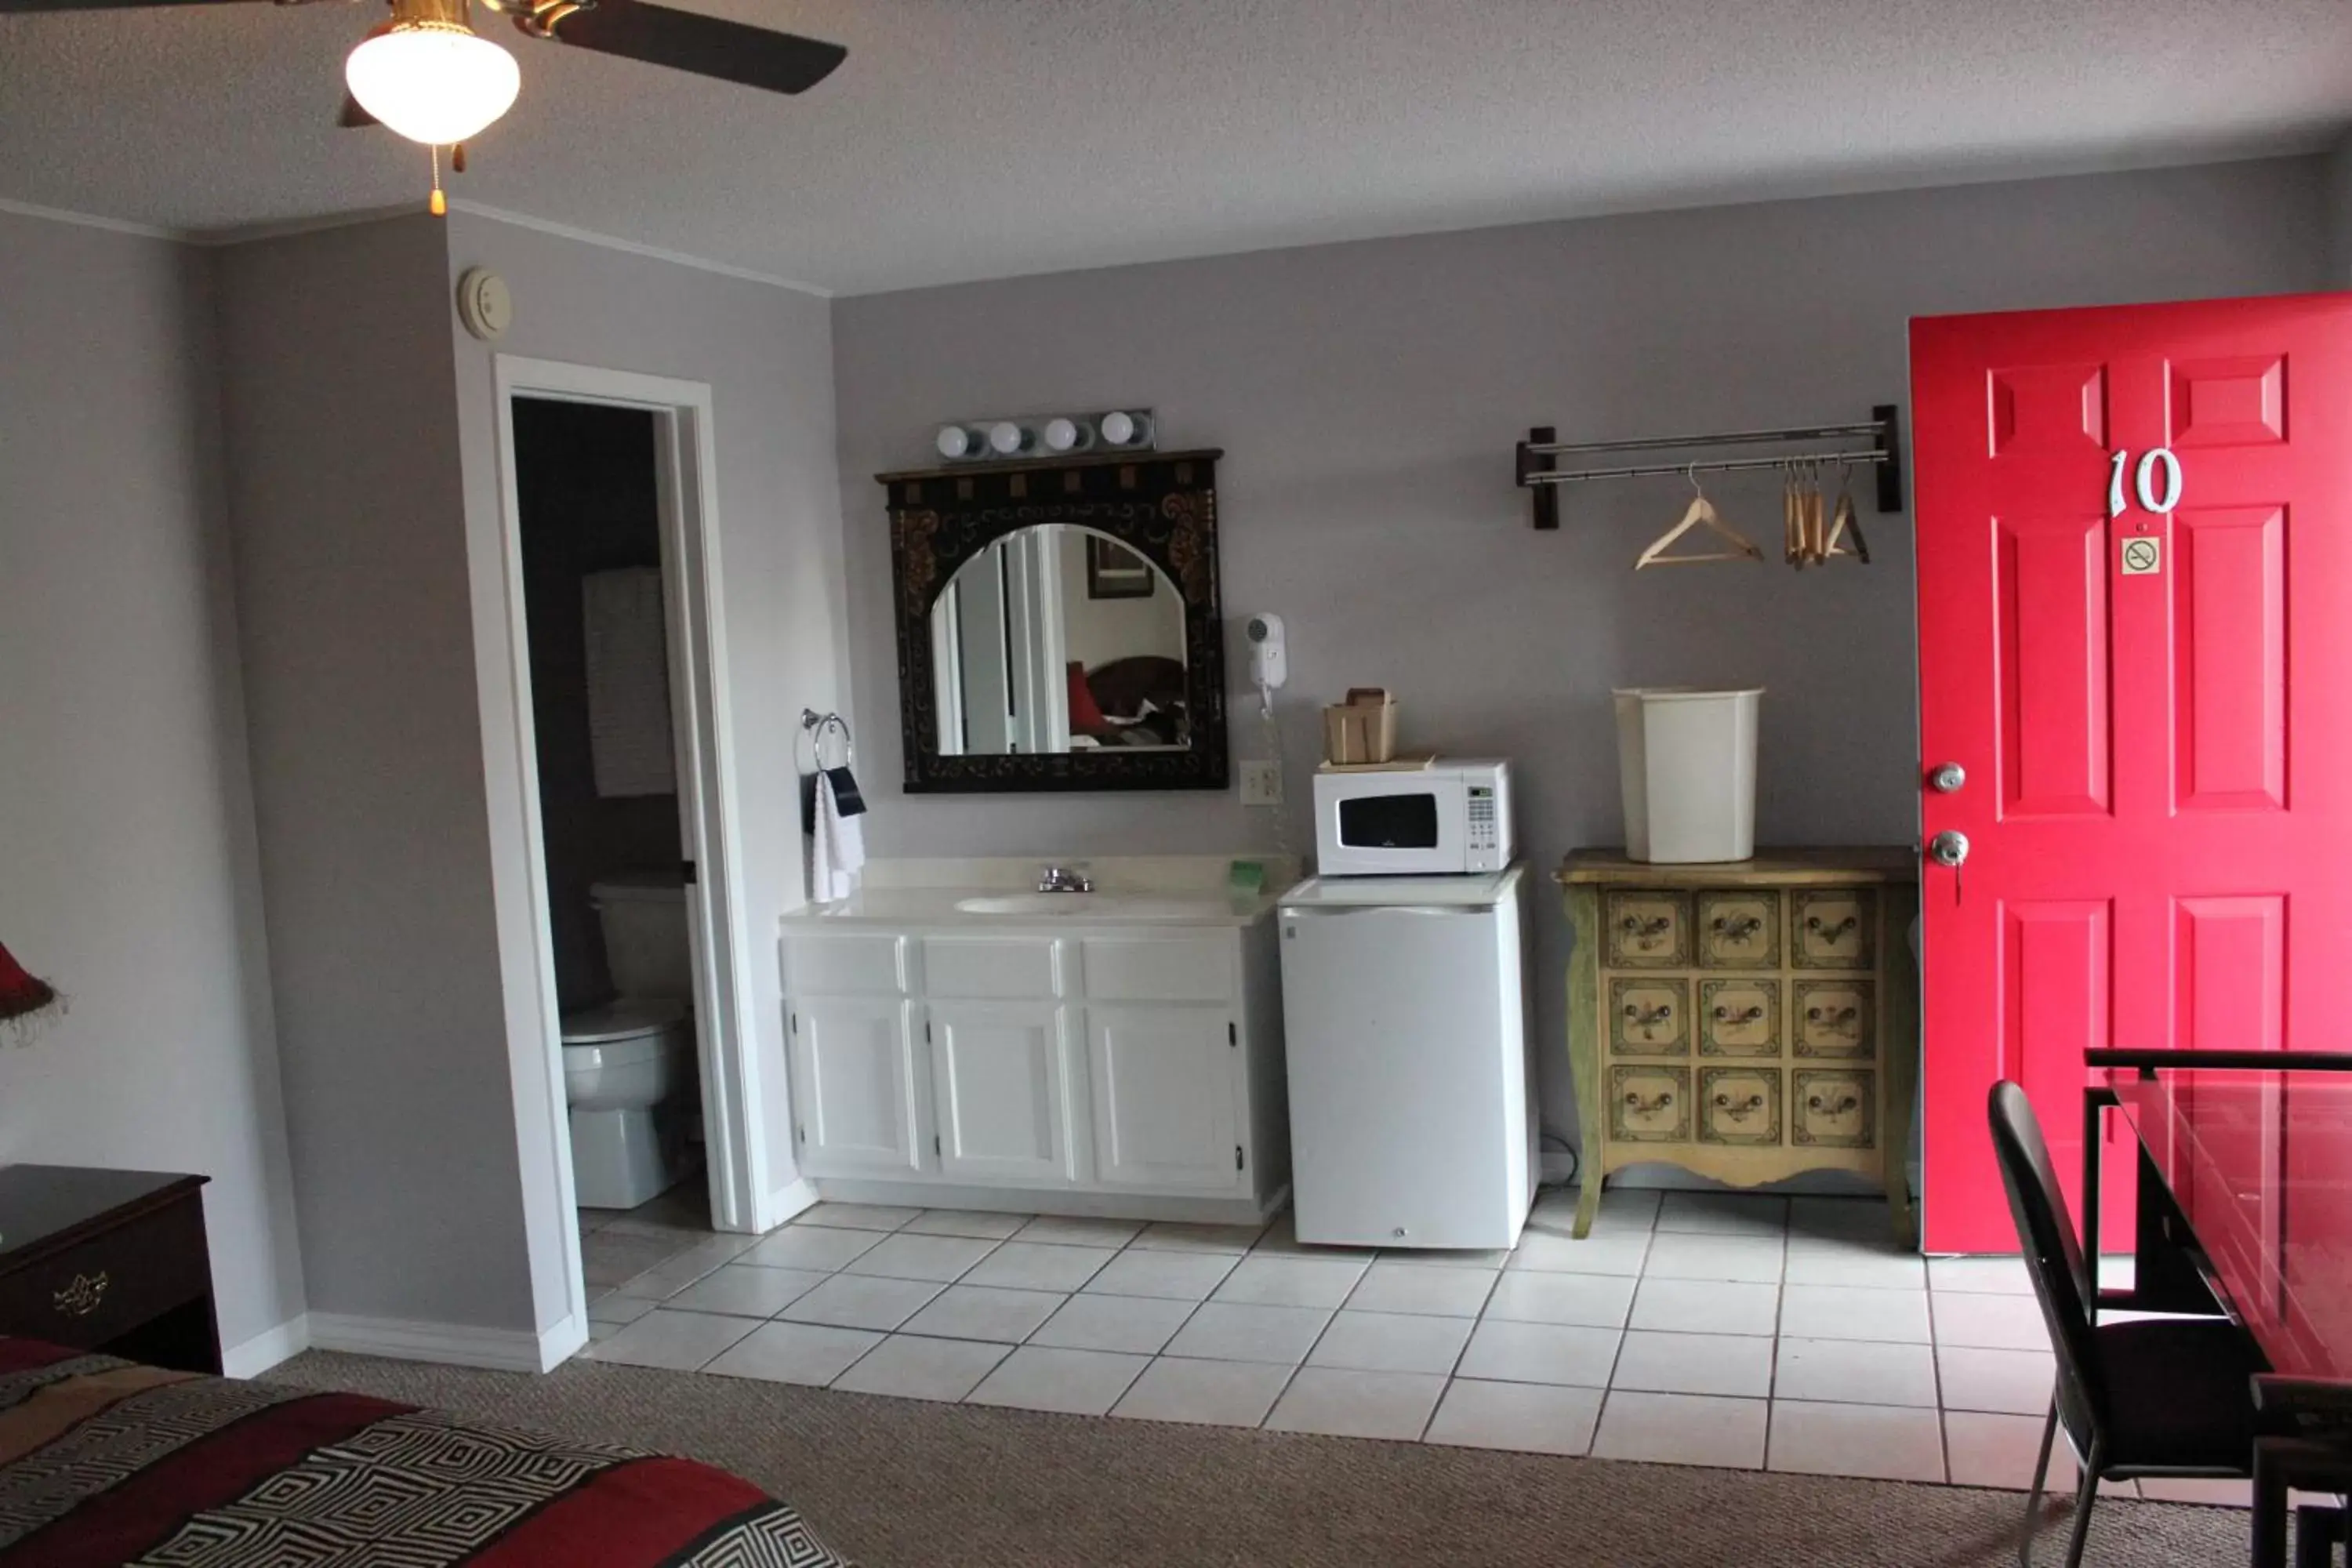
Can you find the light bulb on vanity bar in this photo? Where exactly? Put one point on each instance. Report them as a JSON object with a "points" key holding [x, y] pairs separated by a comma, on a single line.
{"points": [[1063, 434], [1008, 439], [1121, 428]]}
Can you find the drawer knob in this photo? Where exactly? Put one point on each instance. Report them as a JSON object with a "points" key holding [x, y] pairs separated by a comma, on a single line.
{"points": [[1837, 1020], [1645, 929], [1647, 1018], [1635, 1104], [81, 1298], [1831, 931], [1832, 1105], [1749, 1014], [1740, 1110], [1738, 928]]}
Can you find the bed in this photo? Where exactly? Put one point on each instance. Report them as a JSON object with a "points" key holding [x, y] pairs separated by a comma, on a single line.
{"points": [[105, 1461]]}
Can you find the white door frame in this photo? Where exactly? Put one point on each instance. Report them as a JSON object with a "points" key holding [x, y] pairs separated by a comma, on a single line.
{"points": [[687, 490]]}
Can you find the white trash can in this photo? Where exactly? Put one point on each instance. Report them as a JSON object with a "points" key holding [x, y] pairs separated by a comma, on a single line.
{"points": [[1687, 760]]}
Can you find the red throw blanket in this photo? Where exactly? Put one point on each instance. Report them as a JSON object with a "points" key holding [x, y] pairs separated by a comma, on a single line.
{"points": [[103, 1461]]}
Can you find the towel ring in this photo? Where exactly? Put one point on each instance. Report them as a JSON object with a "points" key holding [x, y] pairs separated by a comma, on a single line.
{"points": [[815, 727]]}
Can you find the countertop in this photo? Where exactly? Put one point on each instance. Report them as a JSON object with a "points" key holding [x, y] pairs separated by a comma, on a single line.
{"points": [[938, 907]]}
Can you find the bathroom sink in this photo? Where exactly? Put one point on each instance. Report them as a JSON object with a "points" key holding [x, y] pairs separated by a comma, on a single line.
{"points": [[1091, 906]]}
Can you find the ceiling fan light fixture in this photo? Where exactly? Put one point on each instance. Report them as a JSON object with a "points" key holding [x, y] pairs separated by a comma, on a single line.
{"points": [[429, 76]]}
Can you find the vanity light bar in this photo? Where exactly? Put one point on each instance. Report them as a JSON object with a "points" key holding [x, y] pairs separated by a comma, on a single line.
{"points": [[1012, 437]]}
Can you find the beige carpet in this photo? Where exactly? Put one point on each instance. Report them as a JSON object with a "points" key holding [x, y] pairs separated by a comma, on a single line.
{"points": [[898, 1483]]}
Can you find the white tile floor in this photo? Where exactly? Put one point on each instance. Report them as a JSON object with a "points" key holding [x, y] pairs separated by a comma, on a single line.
{"points": [[1710, 1329]]}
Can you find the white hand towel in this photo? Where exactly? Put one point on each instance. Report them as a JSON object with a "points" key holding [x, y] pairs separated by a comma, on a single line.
{"points": [[629, 735], [838, 851]]}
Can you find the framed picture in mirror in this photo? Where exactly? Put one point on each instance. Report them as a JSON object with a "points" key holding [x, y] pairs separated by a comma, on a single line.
{"points": [[1114, 572]]}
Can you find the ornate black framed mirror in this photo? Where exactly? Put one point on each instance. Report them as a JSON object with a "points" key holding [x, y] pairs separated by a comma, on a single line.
{"points": [[1059, 627]]}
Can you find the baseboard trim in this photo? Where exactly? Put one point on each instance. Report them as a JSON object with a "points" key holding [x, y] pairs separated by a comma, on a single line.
{"points": [[1055, 1201], [789, 1202], [458, 1345], [561, 1342], [283, 1342]]}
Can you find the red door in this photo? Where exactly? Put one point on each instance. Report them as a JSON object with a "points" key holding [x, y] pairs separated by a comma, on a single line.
{"points": [[2153, 709]]}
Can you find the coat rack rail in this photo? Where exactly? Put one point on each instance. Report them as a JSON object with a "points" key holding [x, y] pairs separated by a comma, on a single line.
{"points": [[1538, 468]]}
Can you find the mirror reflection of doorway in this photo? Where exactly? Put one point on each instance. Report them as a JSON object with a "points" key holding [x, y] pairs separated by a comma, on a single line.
{"points": [[1057, 638]]}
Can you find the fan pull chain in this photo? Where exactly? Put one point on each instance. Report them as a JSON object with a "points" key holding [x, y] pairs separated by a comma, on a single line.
{"points": [[440, 203]]}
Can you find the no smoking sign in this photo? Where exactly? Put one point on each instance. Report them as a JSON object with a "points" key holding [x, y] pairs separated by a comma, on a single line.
{"points": [[2143, 557]]}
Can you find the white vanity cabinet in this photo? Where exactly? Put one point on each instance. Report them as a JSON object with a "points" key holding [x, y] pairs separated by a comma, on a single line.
{"points": [[1096, 1070]]}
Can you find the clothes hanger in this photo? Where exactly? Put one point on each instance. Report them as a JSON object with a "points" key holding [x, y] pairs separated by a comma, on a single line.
{"points": [[1846, 523], [1700, 512], [1792, 518], [1816, 520]]}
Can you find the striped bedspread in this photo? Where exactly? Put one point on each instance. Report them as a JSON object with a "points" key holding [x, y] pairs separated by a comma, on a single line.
{"points": [[104, 1461]]}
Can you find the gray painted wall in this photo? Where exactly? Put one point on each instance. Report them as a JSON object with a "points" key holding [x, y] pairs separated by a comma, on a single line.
{"points": [[2336, 176], [767, 355], [356, 604], [127, 832], [1368, 396]]}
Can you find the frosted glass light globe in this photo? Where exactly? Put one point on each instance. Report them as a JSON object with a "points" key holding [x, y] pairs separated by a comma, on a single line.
{"points": [[434, 82]]}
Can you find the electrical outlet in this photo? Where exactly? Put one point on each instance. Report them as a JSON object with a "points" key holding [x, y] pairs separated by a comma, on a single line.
{"points": [[1261, 783]]}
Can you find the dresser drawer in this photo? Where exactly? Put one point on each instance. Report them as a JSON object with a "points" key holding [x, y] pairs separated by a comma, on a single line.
{"points": [[1835, 1017], [1834, 1108], [1647, 930], [1740, 1017], [1649, 1104], [1832, 928], [1740, 1106], [1648, 1016], [1740, 928], [101, 1289]]}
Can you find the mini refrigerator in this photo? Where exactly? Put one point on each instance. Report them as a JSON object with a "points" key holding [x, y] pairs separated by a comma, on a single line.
{"points": [[1404, 1010]]}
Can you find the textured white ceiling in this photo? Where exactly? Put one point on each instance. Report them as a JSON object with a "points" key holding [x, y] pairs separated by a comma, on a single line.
{"points": [[981, 138]]}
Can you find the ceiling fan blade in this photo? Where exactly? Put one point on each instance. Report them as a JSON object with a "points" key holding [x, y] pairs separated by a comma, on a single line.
{"points": [[354, 114], [707, 45], [10, 7]]}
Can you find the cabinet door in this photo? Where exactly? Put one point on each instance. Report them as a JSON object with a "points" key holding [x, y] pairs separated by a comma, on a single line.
{"points": [[1000, 1081], [1164, 1098], [854, 1079]]}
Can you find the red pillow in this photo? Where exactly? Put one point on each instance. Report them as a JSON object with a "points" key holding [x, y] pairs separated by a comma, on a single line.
{"points": [[1085, 716]]}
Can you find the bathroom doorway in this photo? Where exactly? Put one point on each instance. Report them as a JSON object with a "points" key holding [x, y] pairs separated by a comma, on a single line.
{"points": [[632, 1076], [588, 502]]}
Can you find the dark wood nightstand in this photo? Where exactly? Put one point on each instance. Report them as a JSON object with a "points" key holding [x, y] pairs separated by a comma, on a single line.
{"points": [[107, 1260]]}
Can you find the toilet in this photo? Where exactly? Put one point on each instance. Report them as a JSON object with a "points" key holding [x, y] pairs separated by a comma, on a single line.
{"points": [[628, 1065]]}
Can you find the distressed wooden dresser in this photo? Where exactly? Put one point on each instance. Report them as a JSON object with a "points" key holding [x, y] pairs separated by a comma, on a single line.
{"points": [[1746, 1021]]}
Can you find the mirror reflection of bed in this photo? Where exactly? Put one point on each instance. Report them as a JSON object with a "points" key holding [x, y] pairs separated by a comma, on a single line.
{"points": [[1057, 638]]}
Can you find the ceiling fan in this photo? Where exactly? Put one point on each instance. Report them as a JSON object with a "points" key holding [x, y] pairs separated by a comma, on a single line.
{"points": [[428, 75]]}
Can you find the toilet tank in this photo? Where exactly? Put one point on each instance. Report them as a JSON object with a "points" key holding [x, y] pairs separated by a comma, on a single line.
{"points": [[645, 947]]}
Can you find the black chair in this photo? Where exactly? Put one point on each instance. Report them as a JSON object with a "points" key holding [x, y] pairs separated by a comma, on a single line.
{"points": [[2154, 1397]]}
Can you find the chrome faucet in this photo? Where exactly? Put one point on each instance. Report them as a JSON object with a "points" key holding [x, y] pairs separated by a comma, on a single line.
{"points": [[1062, 879]]}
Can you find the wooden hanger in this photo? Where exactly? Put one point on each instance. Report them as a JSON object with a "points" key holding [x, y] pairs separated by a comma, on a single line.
{"points": [[1792, 518], [1846, 523], [1700, 512]]}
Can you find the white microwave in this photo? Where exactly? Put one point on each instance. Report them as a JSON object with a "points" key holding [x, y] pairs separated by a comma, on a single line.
{"points": [[1447, 819]]}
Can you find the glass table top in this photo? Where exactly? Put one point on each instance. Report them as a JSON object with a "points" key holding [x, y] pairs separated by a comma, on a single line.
{"points": [[2260, 1164]]}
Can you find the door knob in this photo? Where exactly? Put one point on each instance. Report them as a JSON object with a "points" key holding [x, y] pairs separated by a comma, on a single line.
{"points": [[1948, 778], [1948, 848]]}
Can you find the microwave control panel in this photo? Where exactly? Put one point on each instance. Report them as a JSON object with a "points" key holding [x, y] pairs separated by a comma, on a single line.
{"points": [[1485, 835]]}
